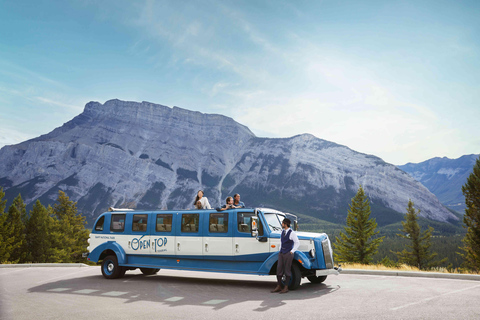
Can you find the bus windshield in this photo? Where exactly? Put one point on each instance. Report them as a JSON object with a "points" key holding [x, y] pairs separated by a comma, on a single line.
{"points": [[274, 221]]}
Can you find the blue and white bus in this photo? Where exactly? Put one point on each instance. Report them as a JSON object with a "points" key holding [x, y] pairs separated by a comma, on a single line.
{"points": [[233, 241]]}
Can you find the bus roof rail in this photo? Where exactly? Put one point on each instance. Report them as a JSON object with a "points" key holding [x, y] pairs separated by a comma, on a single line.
{"points": [[119, 209]]}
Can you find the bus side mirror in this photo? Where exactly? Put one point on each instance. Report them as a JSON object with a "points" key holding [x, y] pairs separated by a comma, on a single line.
{"points": [[295, 225], [254, 226]]}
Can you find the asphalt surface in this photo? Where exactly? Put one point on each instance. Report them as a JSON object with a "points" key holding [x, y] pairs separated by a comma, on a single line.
{"points": [[83, 293]]}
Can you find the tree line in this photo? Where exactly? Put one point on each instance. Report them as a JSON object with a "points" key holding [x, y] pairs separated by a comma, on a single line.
{"points": [[58, 234], [44, 235], [360, 241]]}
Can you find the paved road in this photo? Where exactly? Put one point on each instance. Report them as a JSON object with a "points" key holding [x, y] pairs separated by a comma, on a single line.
{"points": [[82, 293]]}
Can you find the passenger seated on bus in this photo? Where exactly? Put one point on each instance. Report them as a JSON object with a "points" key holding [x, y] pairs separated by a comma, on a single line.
{"points": [[236, 201], [227, 205], [199, 205], [203, 200]]}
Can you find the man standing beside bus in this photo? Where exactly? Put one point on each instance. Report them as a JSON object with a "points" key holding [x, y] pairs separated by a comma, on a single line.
{"points": [[288, 245]]}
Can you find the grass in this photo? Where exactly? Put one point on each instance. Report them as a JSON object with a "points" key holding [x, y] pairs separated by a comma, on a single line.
{"points": [[403, 267]]}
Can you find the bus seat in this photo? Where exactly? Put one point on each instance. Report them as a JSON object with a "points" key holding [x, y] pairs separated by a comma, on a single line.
{"points": [[213, 228], [168, 227], [221, 228], [244, 228]]}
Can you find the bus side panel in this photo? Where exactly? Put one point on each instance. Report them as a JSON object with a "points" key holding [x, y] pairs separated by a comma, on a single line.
{"points": [[213, 264]]}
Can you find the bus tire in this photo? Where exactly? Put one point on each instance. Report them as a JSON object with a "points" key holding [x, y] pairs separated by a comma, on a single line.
{"points": [[111, 269], [296, 277], [149, 271], [315, 279]]}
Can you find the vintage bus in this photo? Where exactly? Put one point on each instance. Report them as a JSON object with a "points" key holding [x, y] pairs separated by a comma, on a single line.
{"points": [[233, 241]]}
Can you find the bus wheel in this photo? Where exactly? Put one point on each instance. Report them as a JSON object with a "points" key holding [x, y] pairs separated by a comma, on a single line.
{"points": [[111, 269], [295, 279], [149, 271], [315, 279]]}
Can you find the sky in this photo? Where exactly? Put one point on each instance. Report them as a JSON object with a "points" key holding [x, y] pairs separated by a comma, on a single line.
{"points": [[396, 79]]}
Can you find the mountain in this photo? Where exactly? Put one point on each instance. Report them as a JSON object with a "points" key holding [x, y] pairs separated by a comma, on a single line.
{"points": [[145, 155], [444, 177]]}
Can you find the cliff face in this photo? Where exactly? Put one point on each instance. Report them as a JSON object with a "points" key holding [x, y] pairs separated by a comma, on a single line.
{"points": [[150, 156]]}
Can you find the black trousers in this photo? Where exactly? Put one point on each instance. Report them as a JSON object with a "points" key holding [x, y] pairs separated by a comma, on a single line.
{"points": [[284, 266]]}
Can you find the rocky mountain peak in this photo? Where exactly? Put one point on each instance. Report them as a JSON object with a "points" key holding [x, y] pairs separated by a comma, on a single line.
{"points": [[146, 155]]}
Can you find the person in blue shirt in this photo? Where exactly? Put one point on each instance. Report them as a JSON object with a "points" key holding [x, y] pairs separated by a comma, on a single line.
{"points": [[236, 201], [288, 245], [228, 204]]}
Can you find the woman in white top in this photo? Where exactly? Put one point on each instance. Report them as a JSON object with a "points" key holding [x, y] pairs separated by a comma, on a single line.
{"points": [[203, 200]]}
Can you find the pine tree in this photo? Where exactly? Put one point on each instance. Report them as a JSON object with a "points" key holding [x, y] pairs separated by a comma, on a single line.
{"points": [[471, 219], [419, 256], [4, 243], [3, 203], [13, 248], [39, 230], [357, 244], [70, 235]]}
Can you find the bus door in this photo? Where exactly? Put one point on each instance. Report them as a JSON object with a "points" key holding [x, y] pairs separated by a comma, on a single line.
{"points": [[218, 235], [247, 248], [163, 234], [188, 241]]}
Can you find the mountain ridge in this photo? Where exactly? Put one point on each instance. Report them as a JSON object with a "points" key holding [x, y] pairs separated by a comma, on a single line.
{"points": [[444, 177], [147, 155]]}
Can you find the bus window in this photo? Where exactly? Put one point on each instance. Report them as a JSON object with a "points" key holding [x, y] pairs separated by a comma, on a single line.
{"points": [[99, 225], [139, 222], [218, 222], [190, 222], [164, 223], [244, 222], [118, 223]]}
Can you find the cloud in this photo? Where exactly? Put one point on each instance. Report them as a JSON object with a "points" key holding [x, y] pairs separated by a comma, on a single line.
{"points": [[59, 104], [14, 71], [10, 136]]}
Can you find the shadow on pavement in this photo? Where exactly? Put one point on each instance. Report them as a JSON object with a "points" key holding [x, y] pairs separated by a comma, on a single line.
{"points": [[181, 291]]}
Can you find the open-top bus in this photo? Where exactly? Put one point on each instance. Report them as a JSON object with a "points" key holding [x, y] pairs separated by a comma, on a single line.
{"points": [[243, 240]]}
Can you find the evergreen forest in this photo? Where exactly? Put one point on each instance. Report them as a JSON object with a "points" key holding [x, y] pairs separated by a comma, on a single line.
{"points": [[44, 235]]}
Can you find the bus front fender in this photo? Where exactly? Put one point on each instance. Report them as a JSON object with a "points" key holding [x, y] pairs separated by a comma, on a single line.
{"points": [[109, 245], [299, 256], [302, 258]]}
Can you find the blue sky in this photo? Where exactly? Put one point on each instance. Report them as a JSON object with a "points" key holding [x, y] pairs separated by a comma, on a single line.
{"points": [[397, 79]]}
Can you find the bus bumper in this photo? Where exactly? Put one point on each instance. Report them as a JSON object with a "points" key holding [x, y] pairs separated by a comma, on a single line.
{"points": [[326, 272]]}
